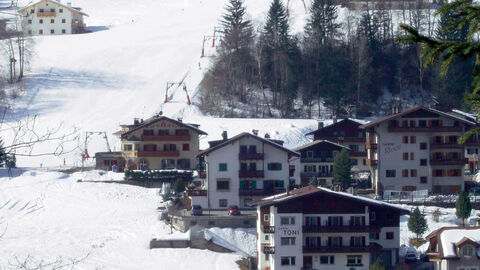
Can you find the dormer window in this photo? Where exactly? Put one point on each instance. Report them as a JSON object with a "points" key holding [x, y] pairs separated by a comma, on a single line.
{"points": [[467, 251]]}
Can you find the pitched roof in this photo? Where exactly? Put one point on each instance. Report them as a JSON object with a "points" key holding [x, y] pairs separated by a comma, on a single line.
{"points": [[155, 119], [450, 237], [309, 190], [332, 125], [245, 134], [57, 3], [414, 109], [318, 142]]}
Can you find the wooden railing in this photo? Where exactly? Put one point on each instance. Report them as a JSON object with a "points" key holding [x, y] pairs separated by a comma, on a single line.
{"points": [[353, 228], [253, 174], [46, 14], [251, 156], [425, 129], [153, 138], [174, 153]]}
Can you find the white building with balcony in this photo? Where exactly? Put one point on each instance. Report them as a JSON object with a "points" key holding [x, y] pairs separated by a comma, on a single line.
{"points": [[316, 228], [244, 168], [49, 17]]}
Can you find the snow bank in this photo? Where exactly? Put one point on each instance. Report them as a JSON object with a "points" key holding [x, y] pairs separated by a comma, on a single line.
{"points": [[243, 241]]}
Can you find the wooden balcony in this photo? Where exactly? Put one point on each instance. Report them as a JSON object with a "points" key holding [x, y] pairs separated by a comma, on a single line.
{"points": [[443, 162], [372, 162], [78, 25], [268, 229], [342, 249], [175, 153], [156, 138], [268, 250], [46, 14], [358, 153], [260, 192], [343, 229], [197, 192], [316, 174], [371, 146], [316, 160], [251, 156], [472, 143], [425, 129], [202, 174], [343, 139], [446, 146], [251, 174]]}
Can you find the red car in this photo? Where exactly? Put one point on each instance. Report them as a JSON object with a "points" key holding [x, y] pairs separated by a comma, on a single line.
{"points": [[233, 210]]}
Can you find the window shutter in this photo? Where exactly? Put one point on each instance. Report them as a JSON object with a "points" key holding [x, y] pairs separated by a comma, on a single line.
{"points": [[254, 184], [363, 221], [242, 184], [363, 241]]}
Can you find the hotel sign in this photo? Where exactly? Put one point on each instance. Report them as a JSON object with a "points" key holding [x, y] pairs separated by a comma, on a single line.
{"points": [[286, 231]]}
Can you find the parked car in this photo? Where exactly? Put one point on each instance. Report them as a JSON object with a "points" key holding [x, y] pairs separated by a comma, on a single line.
{"points": [[410, 257], [233, 210], [196, 210]]}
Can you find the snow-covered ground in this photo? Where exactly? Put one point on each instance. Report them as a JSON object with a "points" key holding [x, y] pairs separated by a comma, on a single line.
{"points": [[49, 215]]}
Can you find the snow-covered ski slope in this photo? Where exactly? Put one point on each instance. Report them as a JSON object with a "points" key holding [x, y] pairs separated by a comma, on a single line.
{"points": [[99, 80]]}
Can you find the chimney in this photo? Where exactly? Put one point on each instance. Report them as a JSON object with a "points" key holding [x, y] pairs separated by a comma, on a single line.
{"points": [[160, 113], [224, 135], [335, 119], [69, 4], [180, 119], [255, 131], [136, 121], [267, 136], [320, 124]]}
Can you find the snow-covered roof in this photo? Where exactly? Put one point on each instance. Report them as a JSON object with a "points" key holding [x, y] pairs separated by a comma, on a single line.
{"points": [[451, 237], [73, 9], [318, 142]]}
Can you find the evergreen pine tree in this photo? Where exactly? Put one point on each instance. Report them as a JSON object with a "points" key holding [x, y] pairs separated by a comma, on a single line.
{"points": [[237, 30], [342, 170], [417, 223], [378, 265], [178, 185], [280, 57], [463, 207]]}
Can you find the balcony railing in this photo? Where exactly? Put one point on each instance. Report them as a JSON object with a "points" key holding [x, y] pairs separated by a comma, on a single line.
{"points": [[343, 139], [174, 153], [197, 192], [473, 143], [155, 138], [251, 174], [446, 146], [372, 162], [46, 14], [425, 129], [346, 229], [78, 25], [316, 160], [371, 145], [268, 229], [448, 161], [260, 192], [342, 249], [358, 153], [268, 250], [316, 174], [202, 174], [251, 156]]}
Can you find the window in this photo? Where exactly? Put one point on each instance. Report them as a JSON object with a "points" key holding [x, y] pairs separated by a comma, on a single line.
{"points": [[274, 166], [423, 146], [357, 241], [413, 139], [243, 149], [423, 162], [327, 259], [336, 221], [52, 31], [354, 260], [336, 241], [32, 11], [40, 21], [148, 132], [405, 139], [223, 185], [40, 10], [266, 217], [357, 221], [183, 164], [467, 251], [52, 20], [422, 123], [287, 260], [186, 147], [64, 21], [252, 149], [29, 21], [390, 173], [364, 162], [412, 156], [353, 162], [222, 167], [438, 173], [309, 154], [52, 10], [405, 173], [169, 147], [168, 164], [60, 10], [423, 180], [389, 235], [374, 236], [413, 173], [287, 221], [40, 32], [163, 132], [287, 241], [372, 216], [405, 156], [267, 237], [64, 31], [127, 147], [222, 202]]}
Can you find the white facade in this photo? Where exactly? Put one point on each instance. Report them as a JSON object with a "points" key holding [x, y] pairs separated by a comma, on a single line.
{"points": [[49, 17], [232, 180], [409, 157]]}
